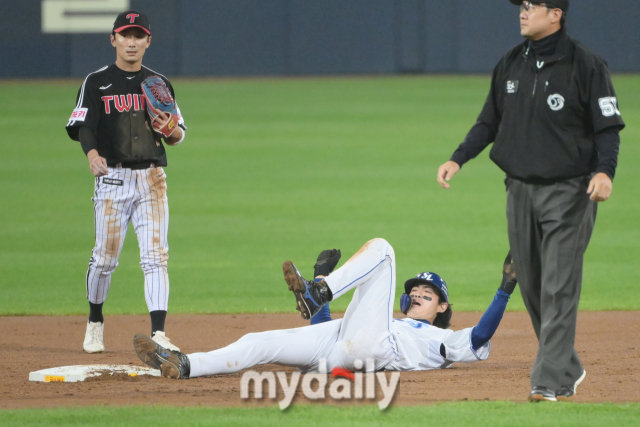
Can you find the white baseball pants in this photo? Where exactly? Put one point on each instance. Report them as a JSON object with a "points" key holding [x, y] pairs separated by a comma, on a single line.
{"points": [[139, 196], [363, 333]]}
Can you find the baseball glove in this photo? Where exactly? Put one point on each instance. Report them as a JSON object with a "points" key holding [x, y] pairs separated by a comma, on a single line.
{"points": [[509, 279], [327, 261], [159, 99]]}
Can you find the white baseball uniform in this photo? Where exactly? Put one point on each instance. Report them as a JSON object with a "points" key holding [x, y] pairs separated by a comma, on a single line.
{"points": [[367, 331]]}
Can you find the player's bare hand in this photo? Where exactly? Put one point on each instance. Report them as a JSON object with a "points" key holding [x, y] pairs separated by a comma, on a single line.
{"points": [[600, 187], [99, 167], [97, 164], [446, 172], [162, 119]]}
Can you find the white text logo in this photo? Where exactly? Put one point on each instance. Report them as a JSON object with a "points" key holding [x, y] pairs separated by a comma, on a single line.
{"points": [[364, 385]]}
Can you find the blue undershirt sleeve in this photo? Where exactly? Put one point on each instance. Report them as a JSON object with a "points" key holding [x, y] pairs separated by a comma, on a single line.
{"points": [[490, 320], [324, 315]]}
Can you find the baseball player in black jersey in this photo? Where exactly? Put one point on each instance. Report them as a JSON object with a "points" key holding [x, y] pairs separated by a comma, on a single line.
{"points": [[127, 158], [552, 115]]}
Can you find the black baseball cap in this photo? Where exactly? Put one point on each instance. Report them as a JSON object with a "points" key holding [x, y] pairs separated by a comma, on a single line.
{"points": [[563, 5], [129, 19]]}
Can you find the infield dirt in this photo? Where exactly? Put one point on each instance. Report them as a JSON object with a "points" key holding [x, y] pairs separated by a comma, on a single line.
{"points": [[608, 344]]}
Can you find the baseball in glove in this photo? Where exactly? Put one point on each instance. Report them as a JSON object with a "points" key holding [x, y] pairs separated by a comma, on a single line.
{"points": [[159, 99]]}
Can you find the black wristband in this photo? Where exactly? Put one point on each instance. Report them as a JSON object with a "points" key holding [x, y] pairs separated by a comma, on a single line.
{"points": [[508, 286]]}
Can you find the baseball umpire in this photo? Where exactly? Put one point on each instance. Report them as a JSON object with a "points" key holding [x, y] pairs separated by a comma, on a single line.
{"points": [[121, 134], [552, 115], [368, 331]]}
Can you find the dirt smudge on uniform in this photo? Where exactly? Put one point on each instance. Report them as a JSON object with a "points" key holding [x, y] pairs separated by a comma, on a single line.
{"points": [[112, 229], [164, 256], [362, 249], [156, 179], [349, 346], [161, 250]]}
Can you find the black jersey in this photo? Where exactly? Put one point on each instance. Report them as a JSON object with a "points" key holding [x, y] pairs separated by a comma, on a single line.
{"points": [[110, 103], [544, 115]]}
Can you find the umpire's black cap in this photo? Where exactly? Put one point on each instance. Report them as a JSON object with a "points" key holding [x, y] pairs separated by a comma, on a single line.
{"points": [[553, 4], [129, 19]]}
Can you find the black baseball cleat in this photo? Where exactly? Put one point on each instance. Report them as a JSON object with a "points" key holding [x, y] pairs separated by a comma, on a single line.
{"points": [[311, 296], [542, 394], [172, 364], [567, 392]]}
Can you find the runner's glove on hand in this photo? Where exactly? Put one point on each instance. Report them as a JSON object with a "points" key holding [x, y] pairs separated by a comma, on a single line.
{"points": [[327, 261], [509, 280]]}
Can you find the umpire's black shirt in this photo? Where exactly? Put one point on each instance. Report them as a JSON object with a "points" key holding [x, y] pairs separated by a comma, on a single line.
{"points": [[548, 116]]}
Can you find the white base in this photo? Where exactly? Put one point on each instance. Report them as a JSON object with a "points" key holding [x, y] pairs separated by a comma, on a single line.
{"points": [[72, 374]]}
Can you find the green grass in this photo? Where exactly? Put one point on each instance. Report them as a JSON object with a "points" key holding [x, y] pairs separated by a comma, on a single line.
{"points": [[281, 169], [494, 414]]}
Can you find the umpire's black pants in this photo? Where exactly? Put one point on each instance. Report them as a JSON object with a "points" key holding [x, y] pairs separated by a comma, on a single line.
{"points": [[549, 230]]}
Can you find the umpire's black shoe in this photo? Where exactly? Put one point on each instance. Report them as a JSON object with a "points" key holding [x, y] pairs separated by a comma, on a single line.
{"points": [[173, 364], [311, 296], [567, 392], [542, 394]]}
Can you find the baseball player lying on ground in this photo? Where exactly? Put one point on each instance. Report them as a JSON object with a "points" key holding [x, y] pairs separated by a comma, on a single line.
{"points": [[367, 331]]}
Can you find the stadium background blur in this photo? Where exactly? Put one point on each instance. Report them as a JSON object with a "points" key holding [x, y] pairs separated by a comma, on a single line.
{"points": [[53, 38]]}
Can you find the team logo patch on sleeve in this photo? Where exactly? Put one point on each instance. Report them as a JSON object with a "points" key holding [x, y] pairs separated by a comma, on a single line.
{"points": [[512, 86], [79, 114], [112, 181]]}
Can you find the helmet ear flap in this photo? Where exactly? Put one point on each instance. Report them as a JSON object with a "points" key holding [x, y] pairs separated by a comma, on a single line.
{"points": [[405, 303]]}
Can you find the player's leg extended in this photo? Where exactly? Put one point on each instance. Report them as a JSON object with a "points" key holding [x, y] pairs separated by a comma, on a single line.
{"points": [[300, 347], [151, 222], [365, 331], [567, 226], [112, 209]]}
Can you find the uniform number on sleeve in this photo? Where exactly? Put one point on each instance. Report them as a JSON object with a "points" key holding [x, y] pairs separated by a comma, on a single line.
{"points": [[609, 106]]}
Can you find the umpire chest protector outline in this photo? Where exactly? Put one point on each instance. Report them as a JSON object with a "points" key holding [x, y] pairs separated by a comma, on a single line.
{"points": [[111, 104]]}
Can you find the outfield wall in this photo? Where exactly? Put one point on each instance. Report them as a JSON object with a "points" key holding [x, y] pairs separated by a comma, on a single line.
{"points": [[297, 37]]}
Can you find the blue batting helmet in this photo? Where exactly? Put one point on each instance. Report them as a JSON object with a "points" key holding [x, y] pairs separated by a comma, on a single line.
{"points": [[428, 278]]}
